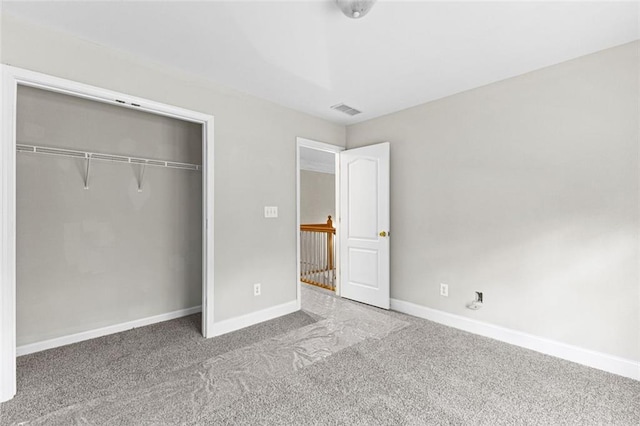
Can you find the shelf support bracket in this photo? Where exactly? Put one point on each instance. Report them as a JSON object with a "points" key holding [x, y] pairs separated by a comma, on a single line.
{"points": [[141, 176], [86, 172]]}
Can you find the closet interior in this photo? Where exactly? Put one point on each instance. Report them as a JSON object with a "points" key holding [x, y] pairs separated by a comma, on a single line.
{"points": [[109, 215]]}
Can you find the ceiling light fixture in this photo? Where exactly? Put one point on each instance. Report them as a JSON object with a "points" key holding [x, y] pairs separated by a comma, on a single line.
{"points": [[355, 8]]}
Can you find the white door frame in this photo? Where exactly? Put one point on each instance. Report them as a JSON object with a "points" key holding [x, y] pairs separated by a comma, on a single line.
{"points": [[335, 149], [11, 78]]}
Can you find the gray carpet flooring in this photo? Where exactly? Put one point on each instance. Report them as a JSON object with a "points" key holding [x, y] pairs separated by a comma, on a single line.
{"points": [[336, 362]]}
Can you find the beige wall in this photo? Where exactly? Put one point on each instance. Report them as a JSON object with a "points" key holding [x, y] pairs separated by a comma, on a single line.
{"points": [[317, 196], [255, 156], [92, 258], [527, 190]]}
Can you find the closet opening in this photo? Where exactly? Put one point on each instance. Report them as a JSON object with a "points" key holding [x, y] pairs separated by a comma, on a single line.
{"points": [[109, 214], [107, 218]]}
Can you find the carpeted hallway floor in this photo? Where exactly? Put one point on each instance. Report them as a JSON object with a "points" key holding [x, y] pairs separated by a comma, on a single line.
{"points": [[336, 362]]}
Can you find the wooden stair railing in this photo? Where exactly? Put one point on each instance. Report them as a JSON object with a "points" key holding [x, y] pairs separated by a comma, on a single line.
{"points": [[317, 262]]}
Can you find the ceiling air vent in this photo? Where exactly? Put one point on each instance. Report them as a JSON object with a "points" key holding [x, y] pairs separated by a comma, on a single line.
{"points": [[346, 109]]}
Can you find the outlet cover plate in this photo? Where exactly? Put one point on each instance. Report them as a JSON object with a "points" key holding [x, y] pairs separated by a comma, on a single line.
{"points": [[444, 290], [271, 211]]}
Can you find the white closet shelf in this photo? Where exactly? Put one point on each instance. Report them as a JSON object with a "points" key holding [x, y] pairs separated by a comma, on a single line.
{"points": [[105, 157]]}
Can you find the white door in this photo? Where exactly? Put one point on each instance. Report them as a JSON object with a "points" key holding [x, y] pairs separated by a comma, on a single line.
{"points": [[364, 224]]}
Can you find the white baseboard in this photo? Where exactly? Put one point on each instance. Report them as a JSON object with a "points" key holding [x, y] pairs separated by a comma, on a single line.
{"points": [[602, 361], [243, 321], [99, 332]]}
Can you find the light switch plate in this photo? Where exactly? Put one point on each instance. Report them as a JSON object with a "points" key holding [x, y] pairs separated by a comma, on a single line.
{"points": [[271, 211]]}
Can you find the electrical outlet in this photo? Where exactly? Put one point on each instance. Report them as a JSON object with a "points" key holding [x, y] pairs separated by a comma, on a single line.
{"points": [[444, 290], [256, 289]]}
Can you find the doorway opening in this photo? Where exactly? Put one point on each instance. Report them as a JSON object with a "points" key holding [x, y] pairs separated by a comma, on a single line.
{"points": [[317, 210], [317, 218], [350, 252]]}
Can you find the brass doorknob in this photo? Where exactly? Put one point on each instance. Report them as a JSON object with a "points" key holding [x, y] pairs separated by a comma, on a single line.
{"points": [[383, 234]]}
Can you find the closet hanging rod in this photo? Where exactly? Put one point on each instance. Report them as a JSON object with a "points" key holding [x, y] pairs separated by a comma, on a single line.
{"points": [[105, 157]]}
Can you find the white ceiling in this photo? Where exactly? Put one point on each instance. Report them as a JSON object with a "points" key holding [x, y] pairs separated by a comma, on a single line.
{"points": [[307, 56]]}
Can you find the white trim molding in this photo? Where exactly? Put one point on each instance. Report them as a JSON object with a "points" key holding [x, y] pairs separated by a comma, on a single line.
{"points": [[104, 331], [601, 361], [208, 256], [7, 239], [237, 323]]}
